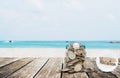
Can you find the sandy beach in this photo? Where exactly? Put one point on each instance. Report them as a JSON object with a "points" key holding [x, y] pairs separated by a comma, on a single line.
{"points": [[54, 52]]}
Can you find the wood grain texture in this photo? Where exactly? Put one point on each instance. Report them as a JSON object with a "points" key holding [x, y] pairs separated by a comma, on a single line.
{"points": [[44, 68], [117, 70], [5, 61], [98, 74], [9, 69], [51, 69], [75, 75], [30, 70]]}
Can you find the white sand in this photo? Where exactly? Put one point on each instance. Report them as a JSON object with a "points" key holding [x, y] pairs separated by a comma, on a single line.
{"points": [[53, 52]]}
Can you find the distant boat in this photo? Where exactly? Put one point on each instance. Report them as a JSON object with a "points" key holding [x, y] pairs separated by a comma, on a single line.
{"points": [[8, 41], [115, 42], [67, 41]]}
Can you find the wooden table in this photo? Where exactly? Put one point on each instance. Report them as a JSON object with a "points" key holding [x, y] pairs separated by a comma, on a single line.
{"points": [[48, 68]]}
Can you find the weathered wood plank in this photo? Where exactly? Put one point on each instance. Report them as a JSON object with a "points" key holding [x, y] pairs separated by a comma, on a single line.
{"points": [[99, 74], [51, 69], [9, 69], [75, 75], [24, 68], [5, 61], [117, 71], [30, 70]]}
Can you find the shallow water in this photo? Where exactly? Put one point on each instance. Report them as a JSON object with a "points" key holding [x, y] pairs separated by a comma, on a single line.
{"points": [[58, 44]]}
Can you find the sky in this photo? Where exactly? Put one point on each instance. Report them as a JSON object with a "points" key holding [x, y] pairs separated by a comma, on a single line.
{"points": [[59, 20]]}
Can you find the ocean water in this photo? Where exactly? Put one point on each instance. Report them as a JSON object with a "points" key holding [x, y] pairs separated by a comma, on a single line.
{"points": [[58, 44]]}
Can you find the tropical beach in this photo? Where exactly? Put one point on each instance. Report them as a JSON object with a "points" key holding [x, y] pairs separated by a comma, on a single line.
{"points": [[54, 52], [59, 39], [37, 62]]}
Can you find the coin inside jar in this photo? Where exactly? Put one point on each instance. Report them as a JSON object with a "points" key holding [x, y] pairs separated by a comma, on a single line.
{"points": [[71, 55]]}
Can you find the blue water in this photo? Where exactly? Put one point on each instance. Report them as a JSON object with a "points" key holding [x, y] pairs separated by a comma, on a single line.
{"points": [[58, 44]]}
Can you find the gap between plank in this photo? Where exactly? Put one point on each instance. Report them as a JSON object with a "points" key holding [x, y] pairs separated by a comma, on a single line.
{"points": [[61, 71], [40, 69], [19, 68], [9, 63]]}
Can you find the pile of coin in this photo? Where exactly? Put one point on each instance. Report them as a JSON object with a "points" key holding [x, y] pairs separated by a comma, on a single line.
{"points": [[75, 57]]}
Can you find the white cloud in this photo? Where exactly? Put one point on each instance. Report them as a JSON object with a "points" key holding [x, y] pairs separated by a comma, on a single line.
{"points": [[110, 16], [9, 14], [58, 16], [37, 3], [73, 4], [20, 9]]}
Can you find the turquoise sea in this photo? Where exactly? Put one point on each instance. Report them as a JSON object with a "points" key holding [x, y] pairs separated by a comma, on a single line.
{"points": [[58, 44]]}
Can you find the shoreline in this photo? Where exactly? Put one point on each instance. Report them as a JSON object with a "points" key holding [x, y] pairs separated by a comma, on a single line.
{"points": [[54, 52]]}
